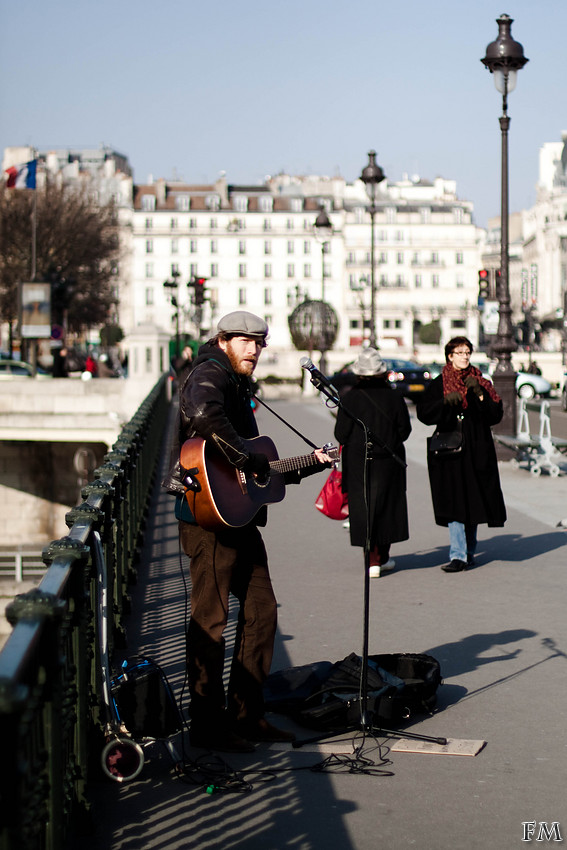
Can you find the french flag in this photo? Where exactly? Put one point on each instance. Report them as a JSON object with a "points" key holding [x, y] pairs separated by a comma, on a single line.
{"points": [[22, 176]]}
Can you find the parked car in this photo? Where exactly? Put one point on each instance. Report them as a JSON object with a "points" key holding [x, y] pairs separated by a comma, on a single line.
{"points": [[19, 369], [409, 377]]}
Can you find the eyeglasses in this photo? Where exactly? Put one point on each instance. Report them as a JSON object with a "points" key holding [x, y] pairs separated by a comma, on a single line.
{"points": [[462, 353]]}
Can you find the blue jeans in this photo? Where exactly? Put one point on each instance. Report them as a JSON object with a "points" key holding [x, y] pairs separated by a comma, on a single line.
{"points": [[462, 541]]}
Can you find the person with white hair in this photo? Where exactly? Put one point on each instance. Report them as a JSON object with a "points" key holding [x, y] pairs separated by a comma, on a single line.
{"points": [[383, 410]]}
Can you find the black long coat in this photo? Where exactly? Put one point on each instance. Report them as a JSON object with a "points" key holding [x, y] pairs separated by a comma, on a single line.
{"points": [[465, 487], [384, 411]]}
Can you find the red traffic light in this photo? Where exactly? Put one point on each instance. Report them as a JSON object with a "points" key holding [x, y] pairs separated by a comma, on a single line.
{"points": [[483, 283]]}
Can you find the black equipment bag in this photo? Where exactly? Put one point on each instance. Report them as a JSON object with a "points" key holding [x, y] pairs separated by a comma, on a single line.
{"points": [[326, 696], [144, 701]]}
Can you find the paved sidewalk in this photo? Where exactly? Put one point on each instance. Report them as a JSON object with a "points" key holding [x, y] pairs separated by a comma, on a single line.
{"points": [[499, 632]]}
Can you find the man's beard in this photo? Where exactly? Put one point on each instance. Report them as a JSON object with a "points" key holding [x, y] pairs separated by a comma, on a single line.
{"points": [[240, 366]]}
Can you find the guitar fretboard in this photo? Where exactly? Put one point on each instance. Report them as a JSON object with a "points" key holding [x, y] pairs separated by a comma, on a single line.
{"points": [[289, 464]]}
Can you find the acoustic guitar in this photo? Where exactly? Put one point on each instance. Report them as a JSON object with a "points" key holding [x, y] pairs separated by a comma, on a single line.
{"points": [[221, 496]]}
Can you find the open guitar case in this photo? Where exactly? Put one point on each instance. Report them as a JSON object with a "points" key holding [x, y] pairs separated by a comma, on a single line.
{"points": [[324, 696]]}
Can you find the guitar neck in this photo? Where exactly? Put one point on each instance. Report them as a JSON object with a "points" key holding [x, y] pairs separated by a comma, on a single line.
{"points": [[290, 464]]}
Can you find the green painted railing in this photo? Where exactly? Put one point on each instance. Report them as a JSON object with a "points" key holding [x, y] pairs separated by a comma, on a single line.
{"points": [[51, 719]]}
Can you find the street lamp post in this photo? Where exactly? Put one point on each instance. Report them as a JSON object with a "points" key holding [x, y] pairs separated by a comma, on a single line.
{"points": [[173, 285], [371, 175], [323, 230], [504, 58]]}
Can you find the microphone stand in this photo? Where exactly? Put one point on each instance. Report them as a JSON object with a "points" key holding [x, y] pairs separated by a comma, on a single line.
{"points": [[366, 723]]}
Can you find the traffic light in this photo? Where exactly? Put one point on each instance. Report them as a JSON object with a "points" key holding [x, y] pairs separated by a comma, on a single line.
{"points": [[199, 284], [483, 284]]}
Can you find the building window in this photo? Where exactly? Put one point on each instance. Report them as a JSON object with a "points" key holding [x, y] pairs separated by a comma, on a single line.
{"points": [[267, 224], [193, 246], [297, 205], [149, 269], [458, 214], [242, 247], [418, 281], [459, 259], [266, 203], [289, 224], [242, 297], [383, 258], [212, 202], [192, 224], [326, 270], [148, 203], [458, 324], [400, 259], [149, 223], [290, 270], [149, 296], [267, 247], [399, 235], [240, 203], [435, 281], [242, 270], [290, 247], [425, 215], [267, 269], [307, 270], [307, 247], [183, 203], [267, 296], [149, 246], [434, 258], [214, 246], [214, 270], [193, 270], [175, 246], [213, 224], [460, 283], [173, 224]]}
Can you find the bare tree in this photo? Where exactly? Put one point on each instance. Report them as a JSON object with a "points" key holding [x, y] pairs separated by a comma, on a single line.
{"points": [[77, 251]]}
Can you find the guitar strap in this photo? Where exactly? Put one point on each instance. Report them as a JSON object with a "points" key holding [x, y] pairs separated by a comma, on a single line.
{"points": [[285, 422]]}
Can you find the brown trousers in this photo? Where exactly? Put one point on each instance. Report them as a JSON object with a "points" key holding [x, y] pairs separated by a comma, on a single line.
{"points": [[232, 562]]}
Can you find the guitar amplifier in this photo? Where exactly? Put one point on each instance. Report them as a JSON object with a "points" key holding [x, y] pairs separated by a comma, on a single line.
{"points": [[144, 701]]}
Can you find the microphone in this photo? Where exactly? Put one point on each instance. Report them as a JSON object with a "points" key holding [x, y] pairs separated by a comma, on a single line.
{"points": [[319, 380]]}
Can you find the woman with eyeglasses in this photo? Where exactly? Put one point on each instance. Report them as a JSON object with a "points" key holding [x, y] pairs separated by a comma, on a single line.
{"points": [[465, 485]]}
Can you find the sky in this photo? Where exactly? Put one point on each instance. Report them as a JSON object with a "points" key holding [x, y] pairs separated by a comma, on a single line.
{"points": [[192, 88]]}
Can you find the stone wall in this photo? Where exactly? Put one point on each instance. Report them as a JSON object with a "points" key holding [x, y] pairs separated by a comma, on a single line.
{"points": [[39, 483]]}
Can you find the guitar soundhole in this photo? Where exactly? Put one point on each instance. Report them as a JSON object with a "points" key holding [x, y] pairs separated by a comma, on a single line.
{"points": [[262, 484]]}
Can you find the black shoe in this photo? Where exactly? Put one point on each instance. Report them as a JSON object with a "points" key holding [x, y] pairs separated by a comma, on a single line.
{"points": [[261, 730], [455, 566], [222, 739], [470, 561]]}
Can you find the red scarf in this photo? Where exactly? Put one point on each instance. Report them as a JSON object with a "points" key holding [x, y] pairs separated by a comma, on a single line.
{"points": [[454, 382]]}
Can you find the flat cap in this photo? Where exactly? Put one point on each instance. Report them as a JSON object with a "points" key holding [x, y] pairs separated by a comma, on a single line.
{"points": [[241, 322]]}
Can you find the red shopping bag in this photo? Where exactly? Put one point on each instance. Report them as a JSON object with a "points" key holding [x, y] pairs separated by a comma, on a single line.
{"points": [[331, 501]]}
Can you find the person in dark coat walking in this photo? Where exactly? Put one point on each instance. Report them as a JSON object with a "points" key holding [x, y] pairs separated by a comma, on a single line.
{"points": [[383, 411], [465, 487]]}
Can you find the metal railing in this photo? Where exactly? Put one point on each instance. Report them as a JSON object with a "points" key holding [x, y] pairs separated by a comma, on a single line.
{"points": [[51, 722], [21, 565]]}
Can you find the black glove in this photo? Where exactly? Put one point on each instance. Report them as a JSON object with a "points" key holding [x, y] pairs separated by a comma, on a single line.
{"points": [[452, 398], [471, 383], [257, 464]]}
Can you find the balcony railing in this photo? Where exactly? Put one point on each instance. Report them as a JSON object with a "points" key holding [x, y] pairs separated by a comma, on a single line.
{"points": [[51, 720]]}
